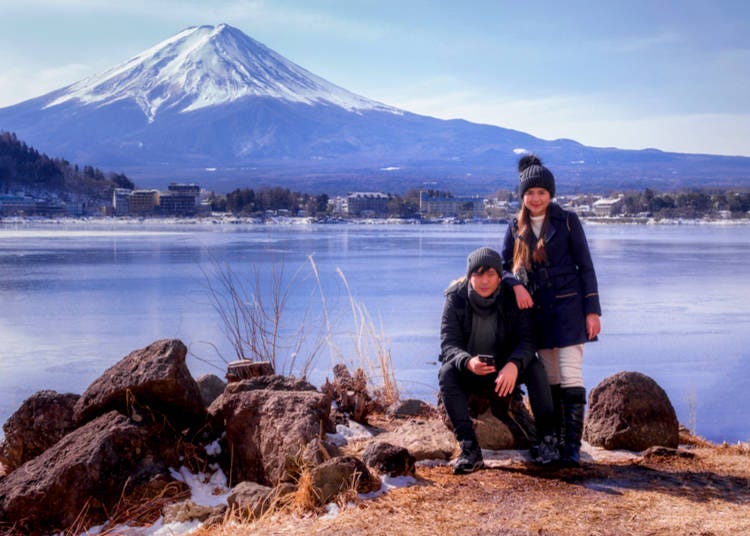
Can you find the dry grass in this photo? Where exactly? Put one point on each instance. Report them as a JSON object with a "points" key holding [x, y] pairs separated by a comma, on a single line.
{"points": [[708, 494]]}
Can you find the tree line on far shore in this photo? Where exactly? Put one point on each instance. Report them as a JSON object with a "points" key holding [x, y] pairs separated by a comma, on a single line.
{"points": [[677, 204]]}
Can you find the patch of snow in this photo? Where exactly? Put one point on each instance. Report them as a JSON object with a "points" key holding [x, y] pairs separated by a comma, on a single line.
{"points": [[389, 483], [352, 432], [213, 449], [206, 490], [390, 168], [520, 151]]}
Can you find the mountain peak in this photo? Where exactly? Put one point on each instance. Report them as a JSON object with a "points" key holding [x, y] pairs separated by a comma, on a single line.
{"points": [[204, 66]]}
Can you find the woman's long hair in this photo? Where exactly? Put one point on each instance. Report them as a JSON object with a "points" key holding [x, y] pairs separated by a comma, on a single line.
{"points": [[522, 254]]}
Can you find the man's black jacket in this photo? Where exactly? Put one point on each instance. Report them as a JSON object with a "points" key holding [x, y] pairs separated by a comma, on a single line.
{"points": [[514, 341]]}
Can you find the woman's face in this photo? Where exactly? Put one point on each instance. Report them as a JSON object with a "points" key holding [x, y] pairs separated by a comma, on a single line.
{"points": [[536, 201], [486, 283]]}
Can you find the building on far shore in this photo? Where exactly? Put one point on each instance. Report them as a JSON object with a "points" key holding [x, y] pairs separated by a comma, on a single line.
{"points": [[607, 207], [367, 204], [448, 206], [178, 200]]}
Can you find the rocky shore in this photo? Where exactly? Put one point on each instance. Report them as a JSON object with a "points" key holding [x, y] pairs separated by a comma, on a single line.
{"points": [[148, 446]]}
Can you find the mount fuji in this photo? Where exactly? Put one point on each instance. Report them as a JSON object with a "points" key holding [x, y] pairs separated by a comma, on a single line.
{"points": [[214, 106]]}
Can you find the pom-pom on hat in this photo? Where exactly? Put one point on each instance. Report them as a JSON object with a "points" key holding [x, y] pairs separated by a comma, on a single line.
{"points": [[484, 257], [534, 175]]}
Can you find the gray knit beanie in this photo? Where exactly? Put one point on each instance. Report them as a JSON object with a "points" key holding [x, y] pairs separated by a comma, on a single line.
{"points": [[484, 257], [534, 175]]}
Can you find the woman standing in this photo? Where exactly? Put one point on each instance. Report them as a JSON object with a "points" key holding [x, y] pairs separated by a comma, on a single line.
{"points": [[547, 261]]}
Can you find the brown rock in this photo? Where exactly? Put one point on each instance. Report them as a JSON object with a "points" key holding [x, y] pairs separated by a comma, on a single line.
{"points": [[630, 411], [270, 382], [40, 422], [267, 431], [154, 378], [341, 474], [87, 469], [389, 459]]}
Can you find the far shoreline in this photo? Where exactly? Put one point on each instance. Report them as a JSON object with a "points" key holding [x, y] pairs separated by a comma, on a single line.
{"points": [[308, 221]]}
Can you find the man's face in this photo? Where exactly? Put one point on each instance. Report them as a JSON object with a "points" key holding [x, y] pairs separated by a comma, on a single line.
{"points": [[486, 283]]}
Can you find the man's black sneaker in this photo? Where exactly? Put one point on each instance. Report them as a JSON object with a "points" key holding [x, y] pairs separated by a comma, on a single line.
{"points": [[470, 459]]}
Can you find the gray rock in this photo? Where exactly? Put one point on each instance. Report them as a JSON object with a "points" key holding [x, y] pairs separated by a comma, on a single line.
{"points": [[250, 499], [40, 422], [425, 440], [411, 407], [186, 511], [210, 386], [630, 411]]}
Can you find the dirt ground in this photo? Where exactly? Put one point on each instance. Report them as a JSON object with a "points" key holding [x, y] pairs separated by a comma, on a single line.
{"points": [[701, 489]]}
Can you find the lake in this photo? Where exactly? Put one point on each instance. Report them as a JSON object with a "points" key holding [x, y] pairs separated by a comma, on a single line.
{"points": [[76, 298]]}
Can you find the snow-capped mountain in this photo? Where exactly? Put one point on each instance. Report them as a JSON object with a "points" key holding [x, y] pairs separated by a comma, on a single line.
{"points": [[214, 106], [206, 66]]}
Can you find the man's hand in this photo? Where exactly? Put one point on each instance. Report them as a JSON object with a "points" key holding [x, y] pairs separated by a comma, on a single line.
{"points": [[506, 379], [480, 368], [523, 298]]}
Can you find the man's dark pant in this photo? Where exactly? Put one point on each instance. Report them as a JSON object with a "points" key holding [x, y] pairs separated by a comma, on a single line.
{"points": [[455, 388]]}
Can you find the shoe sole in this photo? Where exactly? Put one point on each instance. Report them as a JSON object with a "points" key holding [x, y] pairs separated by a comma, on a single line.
{"points": [[468, 469]]}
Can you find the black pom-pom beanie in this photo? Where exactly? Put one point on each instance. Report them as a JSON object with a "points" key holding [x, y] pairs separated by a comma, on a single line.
{"points": [[533, 174]]}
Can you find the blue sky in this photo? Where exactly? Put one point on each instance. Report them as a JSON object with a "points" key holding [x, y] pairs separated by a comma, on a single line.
{"points": [[635, 74]]}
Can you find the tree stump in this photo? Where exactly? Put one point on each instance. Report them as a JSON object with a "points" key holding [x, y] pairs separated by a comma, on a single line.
{"points": [[245, 369]]}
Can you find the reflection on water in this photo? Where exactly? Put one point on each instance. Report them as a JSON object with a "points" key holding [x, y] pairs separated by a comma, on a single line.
{"points": [[77, 299]]}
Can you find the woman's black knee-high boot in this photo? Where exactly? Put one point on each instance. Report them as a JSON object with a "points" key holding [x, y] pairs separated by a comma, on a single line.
{"points": [[559, 415], [574, 404]]}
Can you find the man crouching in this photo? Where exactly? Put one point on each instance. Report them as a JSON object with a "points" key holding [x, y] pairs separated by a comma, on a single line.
{"points": [[487, 345]]}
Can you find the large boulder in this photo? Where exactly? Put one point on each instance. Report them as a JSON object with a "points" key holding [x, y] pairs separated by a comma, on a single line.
{"points": [[267, 431], [630, 411], [500, 423], [155, 378], [40, 422], [86, 472]]}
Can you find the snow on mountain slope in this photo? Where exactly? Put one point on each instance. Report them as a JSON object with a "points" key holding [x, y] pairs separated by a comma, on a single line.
{"points": [[205, 66]]}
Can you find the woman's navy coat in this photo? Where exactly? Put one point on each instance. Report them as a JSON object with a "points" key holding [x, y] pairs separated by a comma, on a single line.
{"points": [[565, 289]]}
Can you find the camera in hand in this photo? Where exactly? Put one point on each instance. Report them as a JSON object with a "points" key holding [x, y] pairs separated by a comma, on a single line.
{"points": [[487, 359]]}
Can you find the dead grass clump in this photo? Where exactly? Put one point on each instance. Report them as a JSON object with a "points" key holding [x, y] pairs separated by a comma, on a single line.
{"points": [[306, 498]]}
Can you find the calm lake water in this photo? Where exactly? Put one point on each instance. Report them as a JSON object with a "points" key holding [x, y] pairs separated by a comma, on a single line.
{"points": [[74, 299]]}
